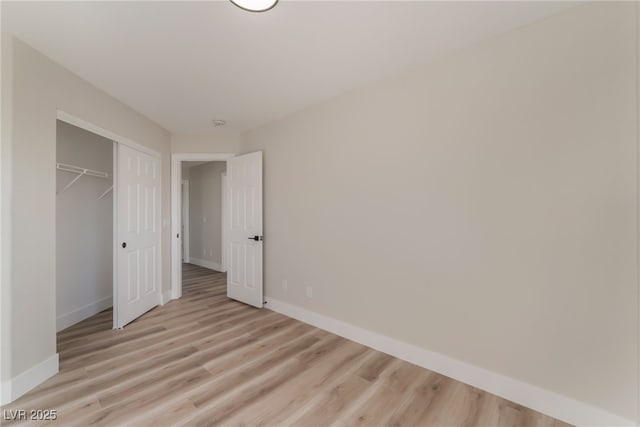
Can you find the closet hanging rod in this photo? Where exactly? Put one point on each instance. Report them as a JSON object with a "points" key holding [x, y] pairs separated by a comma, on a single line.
{"points": [[82, 171]]}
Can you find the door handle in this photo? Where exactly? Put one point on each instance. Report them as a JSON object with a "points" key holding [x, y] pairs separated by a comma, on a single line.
{"points": [[256, 238], [124, 244]]}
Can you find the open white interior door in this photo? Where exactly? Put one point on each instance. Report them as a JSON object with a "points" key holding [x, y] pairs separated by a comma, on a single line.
{"points": [[138, 235], [244, 266]]}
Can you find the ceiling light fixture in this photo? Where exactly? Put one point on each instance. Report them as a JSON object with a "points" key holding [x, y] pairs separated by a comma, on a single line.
{"points": [[217, 123], [255, 5]]}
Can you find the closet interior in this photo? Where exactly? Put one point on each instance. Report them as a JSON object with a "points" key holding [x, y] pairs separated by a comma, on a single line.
{"points": [[84, 224]]}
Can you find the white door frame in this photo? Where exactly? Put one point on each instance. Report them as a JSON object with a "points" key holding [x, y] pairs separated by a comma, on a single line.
{"points": [[78, 122], [185, 207], [224, 216], [176, 211], [118, 139]]}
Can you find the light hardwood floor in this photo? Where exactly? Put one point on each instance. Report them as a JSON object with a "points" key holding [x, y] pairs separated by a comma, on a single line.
{"points": [[207, 360]]}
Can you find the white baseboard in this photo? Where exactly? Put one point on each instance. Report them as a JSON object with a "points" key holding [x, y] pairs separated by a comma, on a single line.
{"points": [[5, 392], [65, 320], [22, 383], [207, 264], [539, 399]]}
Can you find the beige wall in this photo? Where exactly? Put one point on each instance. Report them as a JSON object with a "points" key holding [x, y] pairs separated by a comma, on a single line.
{"points": [[483, 207], [5, 216], [84, 226], [219, 140], [40, 86], [205, 212]]}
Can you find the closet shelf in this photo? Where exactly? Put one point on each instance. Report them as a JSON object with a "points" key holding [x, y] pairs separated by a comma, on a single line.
{"points": [[81, 171]]}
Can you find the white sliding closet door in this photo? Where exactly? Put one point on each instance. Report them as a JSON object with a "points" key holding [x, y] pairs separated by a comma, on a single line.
{"points": [[138, 235]]}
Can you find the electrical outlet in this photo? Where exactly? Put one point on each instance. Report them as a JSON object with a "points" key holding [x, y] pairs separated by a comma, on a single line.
{"points": [[285, 284], [309, 292]]}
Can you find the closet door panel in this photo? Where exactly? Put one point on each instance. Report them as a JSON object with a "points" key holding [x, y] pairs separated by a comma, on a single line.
{"points": [[138, 211]]}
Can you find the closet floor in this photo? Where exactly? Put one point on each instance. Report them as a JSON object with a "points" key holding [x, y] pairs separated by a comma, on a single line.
{"points": [[207, 360]]}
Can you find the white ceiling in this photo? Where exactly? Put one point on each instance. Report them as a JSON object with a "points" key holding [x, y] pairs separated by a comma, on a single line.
{"points": [[183, 64]]}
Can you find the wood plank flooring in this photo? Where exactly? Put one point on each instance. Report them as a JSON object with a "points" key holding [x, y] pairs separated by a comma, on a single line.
{"points": [[207, 360]]}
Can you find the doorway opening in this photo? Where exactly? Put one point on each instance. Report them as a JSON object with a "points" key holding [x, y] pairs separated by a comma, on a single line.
{"points": [[202, 228], [241, 230], [198, 198]]}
